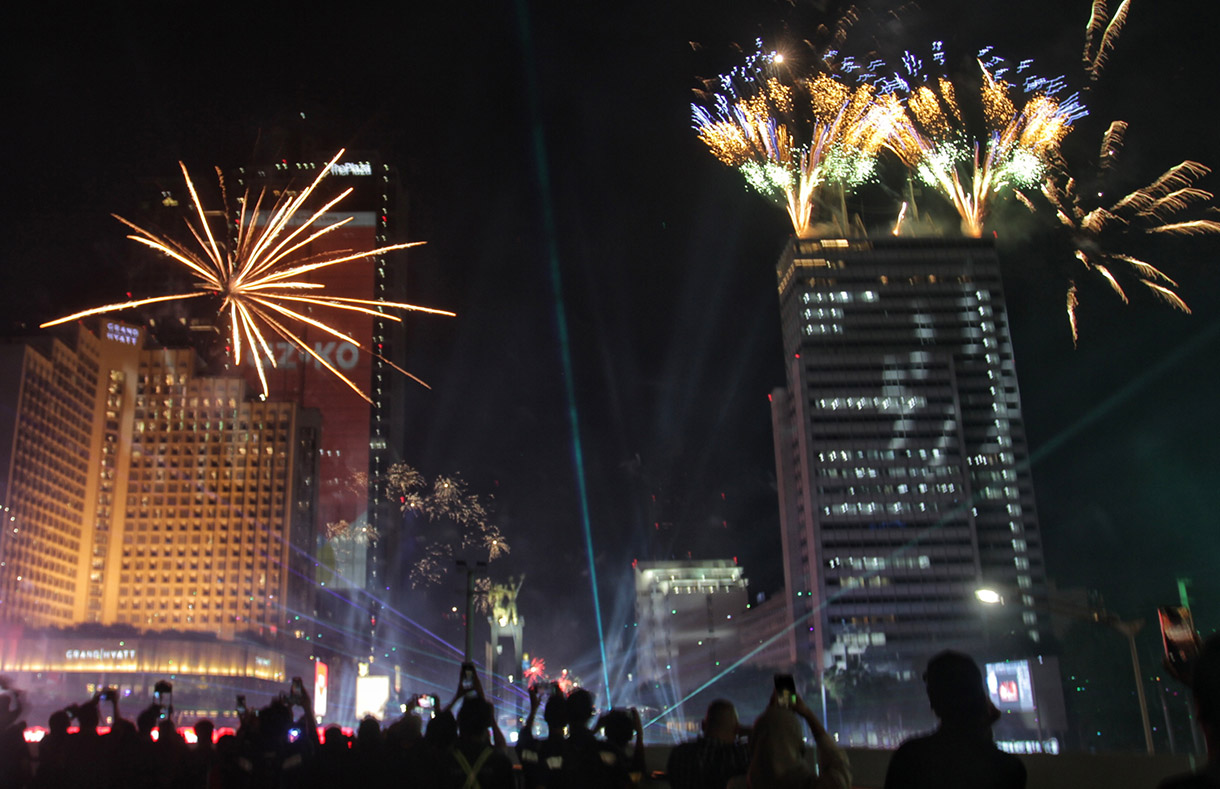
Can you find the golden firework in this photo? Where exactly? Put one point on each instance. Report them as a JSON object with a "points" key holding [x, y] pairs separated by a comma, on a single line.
{"points": [[1015, 149], [1100, 34], [260, 272], [788, 134], [1149, 209]]}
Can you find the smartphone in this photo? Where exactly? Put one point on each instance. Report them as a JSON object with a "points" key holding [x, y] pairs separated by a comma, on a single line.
{"points": [[785, 690], [242, 710], [467, 682], [163, 693], [296, 693], [1179, 638], [107, 694]]}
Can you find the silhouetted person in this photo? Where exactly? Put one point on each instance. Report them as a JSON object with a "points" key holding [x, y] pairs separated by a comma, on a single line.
{"points": [[1205, 687], [960, 753], [202, 756], [15, 767], [718, 755], [368, 753], [88, 758], [473, 759], [542, 761], [778, 760], [404, 745], [53, 753], [620, 727], [269, 754], [583, 763]]}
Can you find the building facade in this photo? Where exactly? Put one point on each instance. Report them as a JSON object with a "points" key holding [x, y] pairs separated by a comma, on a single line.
{"points": [[138, 492], [361, 439], [685, 614], [903, 472]]}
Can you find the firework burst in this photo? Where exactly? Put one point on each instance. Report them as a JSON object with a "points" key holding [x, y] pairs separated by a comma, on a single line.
{"points": [[535, 674], [922, 121], [788, 135], [260, 271], [1096, 230], [452, 519], [1100, 34]]}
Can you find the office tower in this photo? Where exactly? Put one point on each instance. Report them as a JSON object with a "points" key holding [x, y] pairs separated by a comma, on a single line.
{"points": [[684, 617], [138, 492], [360, 440], [903, 472]]}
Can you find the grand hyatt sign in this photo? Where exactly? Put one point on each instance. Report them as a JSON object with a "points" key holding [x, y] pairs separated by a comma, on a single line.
{"points": [[41, 652], [100, 655]]}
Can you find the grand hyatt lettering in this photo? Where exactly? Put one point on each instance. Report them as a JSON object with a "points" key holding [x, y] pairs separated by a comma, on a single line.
{"points": [[343, 355], [100, 654]]}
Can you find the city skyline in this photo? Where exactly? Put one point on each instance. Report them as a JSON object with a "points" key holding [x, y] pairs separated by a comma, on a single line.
{"points": [[666, 265]]}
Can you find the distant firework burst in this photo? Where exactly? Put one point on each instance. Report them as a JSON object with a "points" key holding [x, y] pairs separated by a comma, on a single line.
{"points": [[788, 134], [260, 271], [923, 121], [1157, 208], [450, 521]]}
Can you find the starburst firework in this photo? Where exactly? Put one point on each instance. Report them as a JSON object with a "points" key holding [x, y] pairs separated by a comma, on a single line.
{"points": [[260, 271], [1095, 229]]}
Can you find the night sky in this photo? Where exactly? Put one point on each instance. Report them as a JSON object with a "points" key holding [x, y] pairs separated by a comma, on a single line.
{"points": [[667, 262]]}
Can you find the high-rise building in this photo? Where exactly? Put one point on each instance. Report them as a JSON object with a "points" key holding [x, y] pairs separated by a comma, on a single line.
{"points": [[359, 437], [901, 457], [684, 618], [137, 492]]}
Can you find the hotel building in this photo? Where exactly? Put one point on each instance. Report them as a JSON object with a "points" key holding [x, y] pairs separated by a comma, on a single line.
{"points": [[138, 492]]}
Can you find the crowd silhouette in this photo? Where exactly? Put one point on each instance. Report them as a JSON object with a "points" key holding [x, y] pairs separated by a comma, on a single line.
{"points": [[279, 746]]}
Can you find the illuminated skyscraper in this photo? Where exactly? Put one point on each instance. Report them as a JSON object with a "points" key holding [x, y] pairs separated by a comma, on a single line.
{"points": [[138, 492], [903, 471], [360, 440], [684, 617]]}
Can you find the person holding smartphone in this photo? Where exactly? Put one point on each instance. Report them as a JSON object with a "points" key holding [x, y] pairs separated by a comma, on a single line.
{"points": [[1204, 684], [778, 742], [542, 761], [718, 755], [479, 757]]}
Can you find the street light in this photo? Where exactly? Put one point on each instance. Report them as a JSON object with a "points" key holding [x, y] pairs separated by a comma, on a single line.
{"points": [[989, 596], [1129, 629]]}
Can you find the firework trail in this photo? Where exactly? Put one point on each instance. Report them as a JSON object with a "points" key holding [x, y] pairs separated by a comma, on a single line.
{"points": [[1096, 229], [789, 135], [259, 270], [1100, 34], [458, 519], [922, 121]]}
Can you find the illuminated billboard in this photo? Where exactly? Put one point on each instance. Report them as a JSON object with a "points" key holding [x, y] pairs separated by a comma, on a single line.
{"points": [[1010, 686], [372, 695], [343, 461], [321, 687]]}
